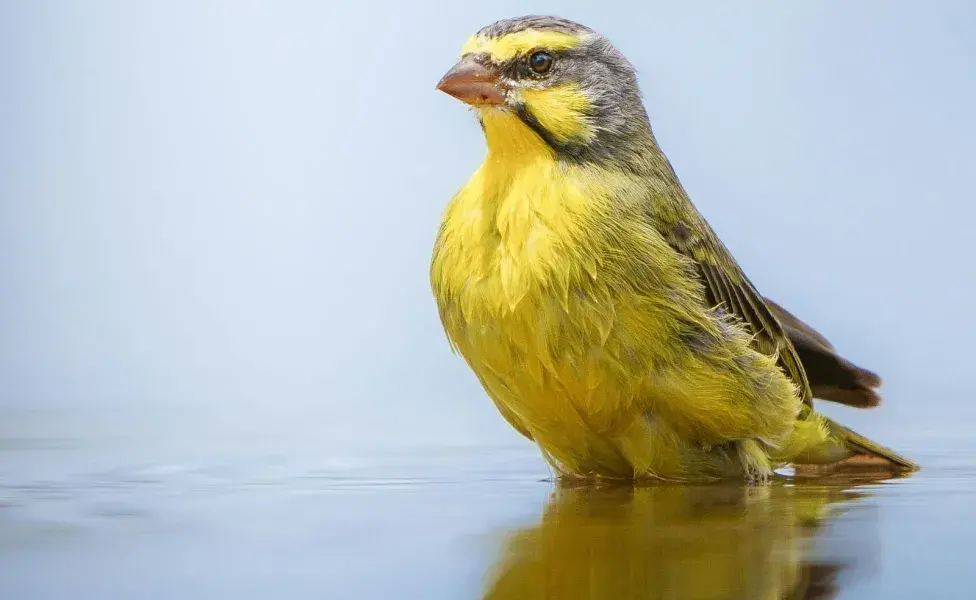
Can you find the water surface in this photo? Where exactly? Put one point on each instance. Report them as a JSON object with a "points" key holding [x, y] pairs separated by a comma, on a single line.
{"points": [[100, 513]]}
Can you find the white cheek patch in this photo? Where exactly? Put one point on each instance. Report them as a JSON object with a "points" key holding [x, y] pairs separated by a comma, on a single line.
{"points": [[512, 92]]}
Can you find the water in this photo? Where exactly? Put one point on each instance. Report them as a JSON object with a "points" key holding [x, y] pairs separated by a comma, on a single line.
{"points": [[91, 511]]}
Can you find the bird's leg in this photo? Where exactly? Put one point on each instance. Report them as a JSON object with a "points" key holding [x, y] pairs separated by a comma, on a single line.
{"points": [[754, 460]]}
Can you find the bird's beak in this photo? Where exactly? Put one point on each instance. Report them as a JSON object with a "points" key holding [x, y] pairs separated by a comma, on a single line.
{"points": [[471, 82]]}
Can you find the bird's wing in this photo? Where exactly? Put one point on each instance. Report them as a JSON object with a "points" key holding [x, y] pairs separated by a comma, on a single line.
{"points": [[797, 329], [831, 376], [727, 286]]}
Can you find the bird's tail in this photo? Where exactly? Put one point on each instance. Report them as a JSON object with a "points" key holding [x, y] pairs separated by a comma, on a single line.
{"points": [[862, 446], [819, 441]]}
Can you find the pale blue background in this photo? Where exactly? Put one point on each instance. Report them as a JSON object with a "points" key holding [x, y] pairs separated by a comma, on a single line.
{"points": [[221, 370], [224, 211]]}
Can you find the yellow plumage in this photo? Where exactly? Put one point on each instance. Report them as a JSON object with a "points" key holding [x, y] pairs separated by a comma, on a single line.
{"points": [[576, 291], [529, 279], [519, 42]]}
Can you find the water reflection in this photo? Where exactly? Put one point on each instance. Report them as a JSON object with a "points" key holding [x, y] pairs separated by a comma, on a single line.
{"points": [[676, 542]]}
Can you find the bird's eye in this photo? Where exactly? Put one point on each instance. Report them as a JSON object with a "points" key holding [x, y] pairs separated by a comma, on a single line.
{"points": [[540, 62]]}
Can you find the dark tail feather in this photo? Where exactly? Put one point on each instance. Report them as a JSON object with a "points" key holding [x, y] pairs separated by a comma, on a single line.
{"points": [[848, 450], [865, 447], [832, 377]]}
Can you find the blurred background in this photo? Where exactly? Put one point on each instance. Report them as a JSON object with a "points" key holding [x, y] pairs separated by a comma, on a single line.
{"points": [[218, 216], [216, 221]]}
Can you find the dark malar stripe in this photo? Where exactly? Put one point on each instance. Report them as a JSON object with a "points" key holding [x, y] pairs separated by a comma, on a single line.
{"points": [[570, 151]]}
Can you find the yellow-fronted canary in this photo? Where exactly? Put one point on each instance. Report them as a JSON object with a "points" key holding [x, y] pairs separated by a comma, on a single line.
{"points": [[601, 313]]}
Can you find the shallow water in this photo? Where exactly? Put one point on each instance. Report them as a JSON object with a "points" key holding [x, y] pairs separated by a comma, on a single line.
{"points": [[117, 516]]}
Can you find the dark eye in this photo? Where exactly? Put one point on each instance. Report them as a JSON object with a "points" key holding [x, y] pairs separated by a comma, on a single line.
{"points": [[540, 62]]}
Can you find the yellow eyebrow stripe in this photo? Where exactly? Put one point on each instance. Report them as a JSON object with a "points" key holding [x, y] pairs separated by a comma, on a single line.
{"points": [[509, 46]]}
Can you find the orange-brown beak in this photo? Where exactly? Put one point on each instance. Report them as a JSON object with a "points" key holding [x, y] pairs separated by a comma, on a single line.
{"points": [[471, 82]]}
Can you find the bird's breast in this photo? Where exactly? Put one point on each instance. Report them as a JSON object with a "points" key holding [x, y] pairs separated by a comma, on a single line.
{"points": [[523, 278], [516, 249]]}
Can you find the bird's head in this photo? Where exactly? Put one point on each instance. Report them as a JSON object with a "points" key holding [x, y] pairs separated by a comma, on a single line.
{"points": [[552, 82]]}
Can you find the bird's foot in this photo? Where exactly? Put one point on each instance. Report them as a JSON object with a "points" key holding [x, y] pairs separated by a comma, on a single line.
{"points": [[753, 460]]}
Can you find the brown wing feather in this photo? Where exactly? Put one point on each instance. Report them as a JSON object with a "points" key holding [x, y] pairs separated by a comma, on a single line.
{"points": [[801, 329], [727, 286], [808, 355], [832, 377]]}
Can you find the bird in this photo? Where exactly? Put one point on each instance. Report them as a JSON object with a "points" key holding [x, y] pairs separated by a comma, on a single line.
{"points": [[596, 306]]}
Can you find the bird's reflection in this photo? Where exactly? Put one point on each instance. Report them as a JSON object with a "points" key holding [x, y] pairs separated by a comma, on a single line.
{"points": [[675, 542]]}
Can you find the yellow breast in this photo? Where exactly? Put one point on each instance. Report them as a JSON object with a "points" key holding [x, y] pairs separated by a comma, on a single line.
{"points": [[527, 278]]}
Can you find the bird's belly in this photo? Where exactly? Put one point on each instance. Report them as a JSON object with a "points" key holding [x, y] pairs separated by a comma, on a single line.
{"points": [[562, 339], [548, 356], [570, 371]]}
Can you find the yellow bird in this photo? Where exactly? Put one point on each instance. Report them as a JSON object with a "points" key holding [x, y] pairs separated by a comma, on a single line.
{"points": [[601, 313]]}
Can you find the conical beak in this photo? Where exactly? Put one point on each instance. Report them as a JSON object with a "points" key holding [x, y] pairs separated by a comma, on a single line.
{"points": [[471, 82]]}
